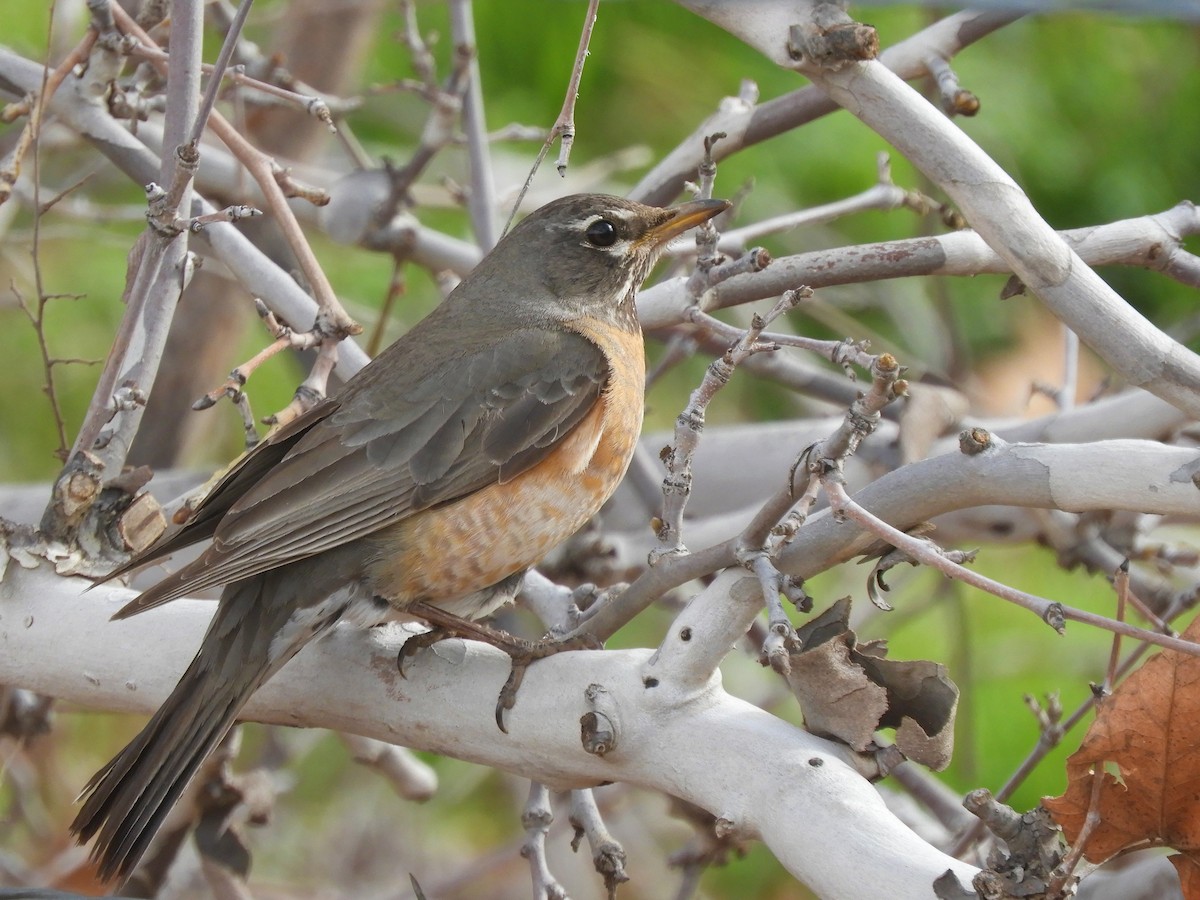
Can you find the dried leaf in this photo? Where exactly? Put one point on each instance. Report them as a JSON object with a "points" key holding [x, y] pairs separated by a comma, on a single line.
{"points": [[1146, 747], [849, 690], [835, 694], [1188, 870]]}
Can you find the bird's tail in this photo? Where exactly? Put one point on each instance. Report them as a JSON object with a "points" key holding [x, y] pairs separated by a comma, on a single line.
{"points": [[260, 623]]}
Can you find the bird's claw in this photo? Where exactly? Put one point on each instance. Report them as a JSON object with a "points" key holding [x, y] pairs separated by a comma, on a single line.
{"points": [[520, 651], [523, 654], [416, 644]]}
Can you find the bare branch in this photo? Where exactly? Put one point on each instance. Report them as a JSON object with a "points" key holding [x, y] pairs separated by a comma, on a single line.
{"points": [[446, 704], [564, 125], [482, 199], [1053, 613]]}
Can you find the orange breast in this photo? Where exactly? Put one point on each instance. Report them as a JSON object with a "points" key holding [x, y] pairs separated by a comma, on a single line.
{"points": [[454, 550]]}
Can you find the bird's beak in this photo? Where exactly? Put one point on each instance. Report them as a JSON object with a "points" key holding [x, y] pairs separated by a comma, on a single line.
{"points": [[683, 217]]}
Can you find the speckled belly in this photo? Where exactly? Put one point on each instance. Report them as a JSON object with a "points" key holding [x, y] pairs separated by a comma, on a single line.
{"points": [[446, 553]]}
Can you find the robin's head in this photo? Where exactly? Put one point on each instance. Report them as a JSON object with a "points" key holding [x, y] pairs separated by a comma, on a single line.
{"points": [[595, 249]]}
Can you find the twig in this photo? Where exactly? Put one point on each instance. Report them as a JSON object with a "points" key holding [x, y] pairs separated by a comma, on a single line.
{"points": [[690, 424], [956, 101], [608, 856], [421, 56], [1053, 613], [284, 336], [10, 168], [159, 264], [1090, 822], [446, 107], [218, 71], [784, 513], [1121, 586], [271, 179], [410, 777], [1052, 728], [1153, 241], [482, 200], [564, 125], [844, 353], [285, 87], [332, 322], [884, 195], [708, 257], [749, 123], [1100, 693], [536, 820]]}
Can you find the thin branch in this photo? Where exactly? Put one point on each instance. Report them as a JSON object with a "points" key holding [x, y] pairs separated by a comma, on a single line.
{"points": [[159, 265], [748, 123], [1051, 612], [270, 179], [884, 195], [564, 125], [332, 322], [482, 199], [10, 167], [690, 423], [1091, 476], [409, 776], [536, 819], [608, 856], [1052, 728], [228, 46], [956, 101], [1153, 241]]}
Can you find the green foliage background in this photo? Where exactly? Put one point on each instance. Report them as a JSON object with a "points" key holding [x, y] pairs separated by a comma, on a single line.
{"points": [[1095, 116]]}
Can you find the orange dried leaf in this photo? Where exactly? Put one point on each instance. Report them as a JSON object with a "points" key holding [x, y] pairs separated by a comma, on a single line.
{"points": [[1188, 869], [1147, 732]]}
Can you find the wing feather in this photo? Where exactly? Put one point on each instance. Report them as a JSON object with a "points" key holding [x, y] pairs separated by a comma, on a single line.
{"points": [[395, 442]]}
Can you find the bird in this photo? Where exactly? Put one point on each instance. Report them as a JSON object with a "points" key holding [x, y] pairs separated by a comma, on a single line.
{"points": [[433, 479]]}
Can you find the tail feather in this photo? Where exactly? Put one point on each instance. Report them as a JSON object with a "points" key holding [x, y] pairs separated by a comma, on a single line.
{"points": [[259, 625], [127, 800]]}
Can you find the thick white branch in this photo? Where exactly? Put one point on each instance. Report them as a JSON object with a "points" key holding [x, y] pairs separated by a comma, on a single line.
{"points": [[759, 775], [999, 210], [1133, 475], [989, 199], [1151, 241]]}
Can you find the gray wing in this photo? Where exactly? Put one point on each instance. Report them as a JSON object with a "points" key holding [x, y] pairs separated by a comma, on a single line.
{"points": [[226, 487], [398, 441]]}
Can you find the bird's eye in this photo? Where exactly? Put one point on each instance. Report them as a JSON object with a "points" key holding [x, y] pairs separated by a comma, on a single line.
{"points": [[601, 233]]}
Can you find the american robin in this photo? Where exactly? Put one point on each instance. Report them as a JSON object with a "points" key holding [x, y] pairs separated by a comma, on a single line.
{"points": [[451, 463]]}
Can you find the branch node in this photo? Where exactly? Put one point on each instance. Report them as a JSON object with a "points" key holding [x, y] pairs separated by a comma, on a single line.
{"points": [[831, 40], [1055, 617], [600, 725], [974, 441]]}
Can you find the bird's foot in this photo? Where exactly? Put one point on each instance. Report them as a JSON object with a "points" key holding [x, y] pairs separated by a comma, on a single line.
{"points": [[521, 652], [416, 644], [522, 658]]}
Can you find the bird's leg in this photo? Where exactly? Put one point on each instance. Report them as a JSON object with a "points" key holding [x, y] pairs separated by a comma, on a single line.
{"points": [[520, 651]]}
